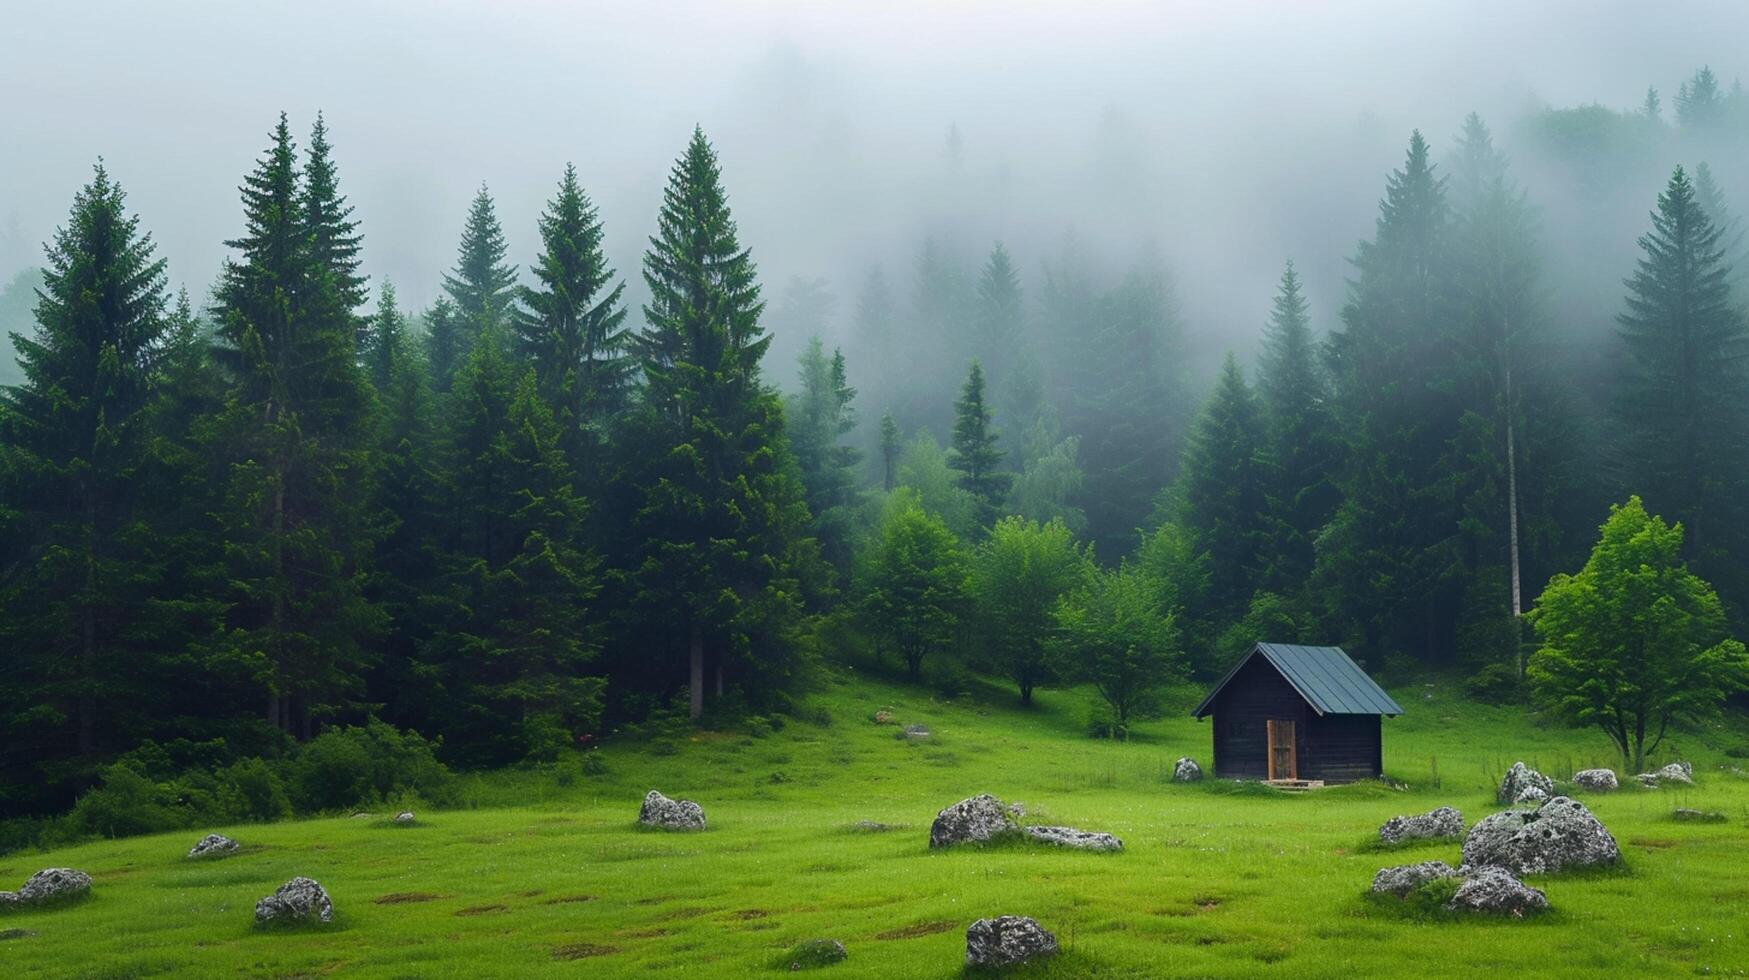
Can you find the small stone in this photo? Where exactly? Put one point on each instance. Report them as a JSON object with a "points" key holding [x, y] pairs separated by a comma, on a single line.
{"points": [[50, 886], [1685, 814], [1444, 823], [298, 900], [213, 846], [1083, 840], [1405, 878], [883, 717], [1596, 780], [872, 827], [916, 733], [660, 811], [817, 953], [975, 820], [1680, 773], [1186, 771], [1007, 940], [404, 818], [1497, 891], [1519, 777]]}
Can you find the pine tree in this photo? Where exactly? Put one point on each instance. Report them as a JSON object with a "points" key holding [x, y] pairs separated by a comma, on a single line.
{"points": [[1223, 493], [997, 327], [721, 514], [482, 285], [1296, 403], [818, 419], [384, 339], [1699, 104], [975, 455], [572, 329], [327, 218], [889, 451], [296, 439], [1682, 400], [73, 440], [446, 342]]}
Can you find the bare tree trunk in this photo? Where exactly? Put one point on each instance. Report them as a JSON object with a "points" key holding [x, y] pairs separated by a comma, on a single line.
{"points": [[697, 675]]}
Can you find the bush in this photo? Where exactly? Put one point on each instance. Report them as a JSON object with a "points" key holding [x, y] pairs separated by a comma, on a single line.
{"points": [[346, 767], [1496, 683], [251, 790], [127, 804]]}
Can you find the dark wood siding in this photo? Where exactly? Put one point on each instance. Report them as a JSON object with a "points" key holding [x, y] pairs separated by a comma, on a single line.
{"points": [[1333, 748], [1255, 695]]}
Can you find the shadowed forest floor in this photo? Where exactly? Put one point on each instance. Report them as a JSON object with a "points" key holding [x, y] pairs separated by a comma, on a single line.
{"points": [[551, 877]]}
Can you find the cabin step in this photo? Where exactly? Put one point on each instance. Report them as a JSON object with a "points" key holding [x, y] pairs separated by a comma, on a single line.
{"points": [[1295, 785]]}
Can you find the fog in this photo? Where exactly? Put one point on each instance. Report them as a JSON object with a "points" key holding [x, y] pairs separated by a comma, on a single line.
{"points": [[1231, 136]]}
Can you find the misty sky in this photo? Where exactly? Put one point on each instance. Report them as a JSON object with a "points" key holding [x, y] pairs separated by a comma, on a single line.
{"points": [[1233, 135]]}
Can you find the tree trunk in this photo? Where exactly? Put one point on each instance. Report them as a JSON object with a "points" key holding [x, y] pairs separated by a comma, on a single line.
{"points": [[275, 714], [719, 678], [1512, 527], [696, 679]]}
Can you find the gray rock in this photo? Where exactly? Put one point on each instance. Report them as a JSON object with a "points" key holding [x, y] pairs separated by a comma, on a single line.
{"points": [[1531, 794], [1680, 773], [213, 846], [404, 818], [1496, 892], [1444, 823], [49, 886], [1007, 940], [1405, 878], [1685, 814], [660, 811], [817, 952], [1596, 780], [975, 820], [1186, 771], [1519, 777], [1085, 840], [1558, 835], [298, 900], [872, 827], [916, 733]]}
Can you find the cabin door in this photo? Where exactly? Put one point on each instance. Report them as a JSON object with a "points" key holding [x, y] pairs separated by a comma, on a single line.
{"points": [[1284, 762]]}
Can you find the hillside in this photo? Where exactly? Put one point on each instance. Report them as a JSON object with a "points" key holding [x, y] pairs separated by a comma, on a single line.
{"points": [[550, 876]]}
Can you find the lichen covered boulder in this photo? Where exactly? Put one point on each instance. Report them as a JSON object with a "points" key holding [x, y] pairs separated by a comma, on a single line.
{"points": [[1084, 840], [816, 953], [50, 886], [213, 846], [300, 900], [1405, 878], [1531, 794], [1556, 836], [1186, 771], [1520, 777], [1680, 773], [1596, 780], [1443, 823], [663, 813], [1495, 891], [1007, 940], [976, 820]]}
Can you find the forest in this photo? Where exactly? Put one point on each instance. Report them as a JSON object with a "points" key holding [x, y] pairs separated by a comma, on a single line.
{"points": [[258, 534]]}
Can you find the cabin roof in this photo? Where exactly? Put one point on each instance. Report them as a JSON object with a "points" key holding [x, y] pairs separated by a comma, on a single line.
{"points": [[1330, 681]]}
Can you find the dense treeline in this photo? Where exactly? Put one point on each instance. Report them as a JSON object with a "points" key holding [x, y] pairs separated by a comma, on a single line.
{"points": [[531, 512]]}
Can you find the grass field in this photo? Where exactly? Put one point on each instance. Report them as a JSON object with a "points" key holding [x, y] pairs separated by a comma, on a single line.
{"points": [[546, 878]]}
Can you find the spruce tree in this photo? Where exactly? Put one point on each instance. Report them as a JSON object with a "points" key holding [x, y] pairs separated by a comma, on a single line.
{"points": [[889, 451], [1295, 397], [571, 330], [482, 285], [1683, 397], [327, 219], [721, 517], [296, 440], [73, 441], [1223, 493], [974, 454], [818, 418], [384, 339], [446, 342]]}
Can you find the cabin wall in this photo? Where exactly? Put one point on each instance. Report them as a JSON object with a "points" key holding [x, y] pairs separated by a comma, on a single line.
{"points": [[1341, 748], [1256, 695]]}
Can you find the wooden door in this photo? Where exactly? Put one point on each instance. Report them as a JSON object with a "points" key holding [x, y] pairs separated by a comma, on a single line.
{"points": [[1284, 760]]}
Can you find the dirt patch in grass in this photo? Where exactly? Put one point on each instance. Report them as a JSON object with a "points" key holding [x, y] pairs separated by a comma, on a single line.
{"points": [[746, 914], [568, 899], [15, 934], [1207, 903], [482, 909], [404, 898], [580, 951], [1652, 843], [691, 912], [920, 929], [642, 933]]}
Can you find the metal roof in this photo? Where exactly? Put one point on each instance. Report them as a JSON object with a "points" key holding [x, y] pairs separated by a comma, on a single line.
{"points": [[1330, 681]]}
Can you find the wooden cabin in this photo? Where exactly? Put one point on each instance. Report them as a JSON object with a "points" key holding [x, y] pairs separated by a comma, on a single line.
{"points": [[1297, 714]]}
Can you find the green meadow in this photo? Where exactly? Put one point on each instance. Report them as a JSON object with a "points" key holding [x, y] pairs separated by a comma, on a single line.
{"points": [[546, 874]]}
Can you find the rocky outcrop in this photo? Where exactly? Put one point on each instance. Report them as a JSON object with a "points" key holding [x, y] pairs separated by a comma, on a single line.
{"points": [[1519, 778], [1596, 780], [1558, 835], [300, 900], [1007, 940], [50, 886], [1186, 771], [1444, 823], [1405, 878], [1085, 840], [663, 813], [974, 821], [1496, 891], [213, 846], [1680, 773]]}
